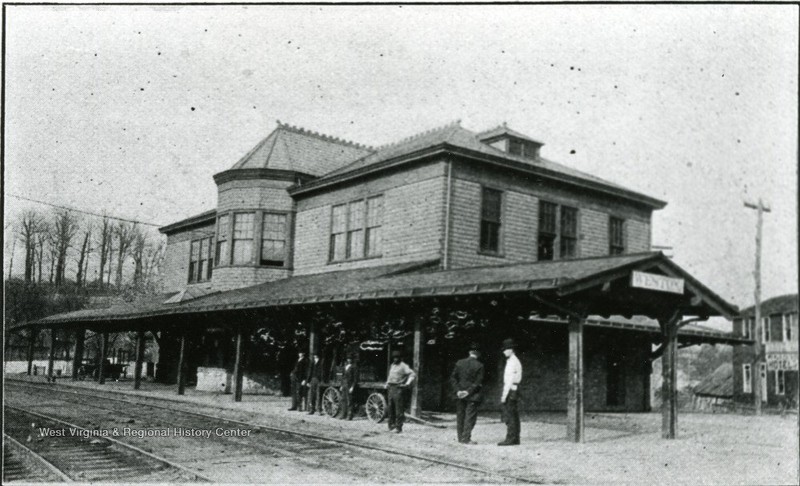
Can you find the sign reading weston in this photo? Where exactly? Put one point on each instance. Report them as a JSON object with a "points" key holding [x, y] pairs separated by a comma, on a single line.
{"points": [[651, 281]]}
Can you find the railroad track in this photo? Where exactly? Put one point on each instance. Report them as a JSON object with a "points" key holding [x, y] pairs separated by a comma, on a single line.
{"points": [[291, 443], [69, 453]]}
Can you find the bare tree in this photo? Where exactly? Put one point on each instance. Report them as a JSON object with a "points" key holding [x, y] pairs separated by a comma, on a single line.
{"points": [[65, 227], [125, 233], [41, 241], [106, 234], [30, 226], [52, 247], [87, 235], [138, 254], [154, 258]]}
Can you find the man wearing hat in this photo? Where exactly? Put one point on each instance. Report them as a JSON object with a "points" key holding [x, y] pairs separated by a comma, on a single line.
{"points": [[299, 381], [313, 380], [466, 380], [511, 378], [400, 377], [349, 376]]}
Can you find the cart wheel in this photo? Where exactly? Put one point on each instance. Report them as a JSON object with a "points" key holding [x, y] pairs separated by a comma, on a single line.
{"points": [[376, 407], [331, 401]]}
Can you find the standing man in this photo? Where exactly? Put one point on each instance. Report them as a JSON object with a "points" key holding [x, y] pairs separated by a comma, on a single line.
{"points": [[400, 377], [313, 379], [466, 380], [349, 378], [510, 398], [298, 377]]}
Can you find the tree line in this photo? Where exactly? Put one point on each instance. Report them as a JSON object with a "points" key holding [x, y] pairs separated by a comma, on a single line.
{"points": [[59, 243]]}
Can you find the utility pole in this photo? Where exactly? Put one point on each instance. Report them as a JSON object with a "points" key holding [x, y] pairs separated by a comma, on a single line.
{"points": [[761, 208]]}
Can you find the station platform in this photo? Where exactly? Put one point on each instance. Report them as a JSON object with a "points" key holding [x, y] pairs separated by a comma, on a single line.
{"points": [[619, 448]]}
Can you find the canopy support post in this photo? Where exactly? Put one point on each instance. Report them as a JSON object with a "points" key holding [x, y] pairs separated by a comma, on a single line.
{"points": [[77, 359], [137, 370], [237, 368], [575, 418], [182, 365], [669, 376], [101, 370], [51, 357], [416, 408], [31, 344]]}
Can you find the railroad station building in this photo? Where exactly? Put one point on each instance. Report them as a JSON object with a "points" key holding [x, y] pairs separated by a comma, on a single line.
{"points": [[444, 237]]}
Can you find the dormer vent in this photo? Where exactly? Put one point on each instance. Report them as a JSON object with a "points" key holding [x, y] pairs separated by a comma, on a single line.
{"points": [[511, 142]]}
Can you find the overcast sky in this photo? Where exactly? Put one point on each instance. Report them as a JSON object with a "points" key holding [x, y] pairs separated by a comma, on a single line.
{"points": [[133, 109]]}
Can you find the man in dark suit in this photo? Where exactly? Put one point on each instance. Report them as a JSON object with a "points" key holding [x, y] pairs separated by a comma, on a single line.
{"points": [[298, 376], [313, 379], [467, 380], [349, 378]]}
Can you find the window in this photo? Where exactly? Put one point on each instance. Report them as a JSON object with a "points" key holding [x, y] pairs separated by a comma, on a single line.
{"points": [[568, 246], [763, 368], [356, 229], [515, 147], [242, 247], [780, 382], [786, 323], [547, 230], [222, 239], [374, 223], [747, 327], [766, 335], [747, 379], [616, 236], [200, 260], [491, 216], [273, 239]]}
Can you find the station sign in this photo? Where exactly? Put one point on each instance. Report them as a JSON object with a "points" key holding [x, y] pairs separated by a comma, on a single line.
{"points": [[782, 361], [660, 283]]}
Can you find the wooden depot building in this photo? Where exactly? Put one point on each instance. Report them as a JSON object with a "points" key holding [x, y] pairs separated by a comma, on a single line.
{"points": [[426, 244]]}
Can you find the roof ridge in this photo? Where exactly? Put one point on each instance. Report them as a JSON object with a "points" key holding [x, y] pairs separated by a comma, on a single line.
{"points": [[450, 125], [502, 125], [322, 136]]}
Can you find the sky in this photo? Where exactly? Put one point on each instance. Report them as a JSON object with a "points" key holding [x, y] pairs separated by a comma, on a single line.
{"points": [[132, 109]]}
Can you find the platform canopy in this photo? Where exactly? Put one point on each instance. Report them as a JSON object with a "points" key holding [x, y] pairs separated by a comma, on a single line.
{"points": [[642, 284]]}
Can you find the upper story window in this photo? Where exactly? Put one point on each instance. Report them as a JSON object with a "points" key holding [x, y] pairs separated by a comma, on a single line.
{"points": [[273, 239], [789, 322], [766, 332], [616, 236], [491, 219], [356, 229], [515, 147], [222, 239], [748, 324], [568, 247], [242, 244], [547, 231], [200, 260]]}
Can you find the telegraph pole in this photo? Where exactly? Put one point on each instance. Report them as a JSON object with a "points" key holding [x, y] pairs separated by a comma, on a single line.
{"points": [[761, 208]]}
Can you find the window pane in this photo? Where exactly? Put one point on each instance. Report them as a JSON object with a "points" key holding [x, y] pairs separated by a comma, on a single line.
{"points": [[515, 147], [222, 252], [273, 234], [374, 241], [356, 215], [195, 252], [339, 221], [547, 217], [491, 205], [356, 240], [375, 211], [242, 251], [490, 236], [545, 247], [568, 247], [338, 248], [243, 225], [569, 222]]}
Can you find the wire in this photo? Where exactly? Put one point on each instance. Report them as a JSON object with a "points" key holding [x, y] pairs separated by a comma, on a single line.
{"points": [[84, 212]]}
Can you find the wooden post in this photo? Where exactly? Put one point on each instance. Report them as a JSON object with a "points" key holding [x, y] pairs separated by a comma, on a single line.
{"points": [[761, 208], [101, 370], [669, 394], [237, 367], [137, 369], [575, 381], [51, 357], [312, 340], [416, 407], [77, 359], [182, 364], [31, 344]]}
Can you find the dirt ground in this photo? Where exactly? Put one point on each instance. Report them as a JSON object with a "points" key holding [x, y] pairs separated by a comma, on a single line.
{"points": [[710, 449]]}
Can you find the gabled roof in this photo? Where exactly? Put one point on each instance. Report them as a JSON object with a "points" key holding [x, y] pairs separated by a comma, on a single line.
{"points": [[296, 149], [453, 138], [717, 384]]}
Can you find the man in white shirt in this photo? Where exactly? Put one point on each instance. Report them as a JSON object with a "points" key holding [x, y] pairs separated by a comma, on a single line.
{"points": [[510, 398]]}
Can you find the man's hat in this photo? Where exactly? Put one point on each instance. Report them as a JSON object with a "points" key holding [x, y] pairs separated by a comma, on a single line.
{"points": [[352, 355], [473, 346], [509, 344], [397, 353]]}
